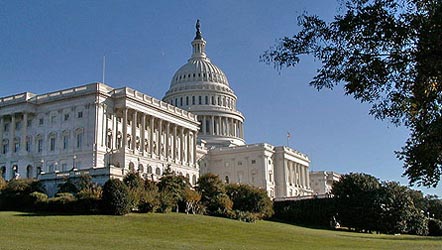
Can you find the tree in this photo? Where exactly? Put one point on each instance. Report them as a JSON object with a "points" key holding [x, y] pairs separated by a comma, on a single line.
{"points": [[247, 198], [213, 195], [396, 208], [356, 197], [116, 198], [172, 187], [386, 53]]}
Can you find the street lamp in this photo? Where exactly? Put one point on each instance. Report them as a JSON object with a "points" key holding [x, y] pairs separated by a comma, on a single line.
{"points": [[73, 163]]}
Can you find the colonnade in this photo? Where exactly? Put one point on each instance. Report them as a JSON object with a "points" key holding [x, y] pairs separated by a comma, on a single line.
{"points": [[147, 135], [220, 125], [16, 139], [297, 174]]}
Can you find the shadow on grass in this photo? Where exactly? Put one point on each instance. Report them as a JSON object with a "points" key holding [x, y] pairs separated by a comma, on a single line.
{"points": [[363, 235], [46, 214]]}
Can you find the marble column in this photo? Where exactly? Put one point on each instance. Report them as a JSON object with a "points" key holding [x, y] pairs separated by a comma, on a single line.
{"points": [[2, 128], [12, 134], [189, 147], [134, 130], [152, 129], [124, 142], [160, 135], [174, 146], [212, 121], [143, 133], [24, 132], [182, 156], [203, 127], [167, 140]]}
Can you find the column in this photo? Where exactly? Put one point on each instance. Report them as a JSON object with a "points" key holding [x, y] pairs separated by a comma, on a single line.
{"points": [[234, 128], [195, 135], [174, 149], [189, 147], [152, 128], [308, 177], [12, 134], [182, 146], [115, 130], [160, 132], [228, 126], [212, 121], [143, 132], [220, 126], [134, 130], [124, 142], [2, 127], [203, 127], [24, 132], [167, 140]]}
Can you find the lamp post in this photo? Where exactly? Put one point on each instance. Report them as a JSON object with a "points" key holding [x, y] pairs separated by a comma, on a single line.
{"points": [[42, 162], [73, 163]]}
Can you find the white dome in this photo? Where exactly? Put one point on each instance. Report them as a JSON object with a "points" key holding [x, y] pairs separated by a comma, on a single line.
{"points": [[202, 88], [199, 70]]}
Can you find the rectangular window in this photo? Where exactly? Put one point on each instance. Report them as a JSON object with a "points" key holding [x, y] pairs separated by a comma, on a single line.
{"points": [[28, 146], [18, 125], [6, 127], [65, 142], [80, 114], [53, 119], [64, 167], [200, 100], [29, 123], [5, 148], [66, 117], [52, 142], [40, 145], [79, 140], [253, 161], [16, 147], [193, 100], [40, 121], [207, 100]]}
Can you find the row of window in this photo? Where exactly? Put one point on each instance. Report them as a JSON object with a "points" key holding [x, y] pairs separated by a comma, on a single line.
{"points": [[53, 119], [39, 141], [224, 101]]}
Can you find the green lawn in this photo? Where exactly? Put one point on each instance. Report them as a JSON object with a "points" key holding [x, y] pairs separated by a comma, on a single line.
{"points": [[180, 231]]}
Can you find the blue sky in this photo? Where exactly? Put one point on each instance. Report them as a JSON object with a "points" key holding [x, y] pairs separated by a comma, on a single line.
{"points": [[51, 45]]}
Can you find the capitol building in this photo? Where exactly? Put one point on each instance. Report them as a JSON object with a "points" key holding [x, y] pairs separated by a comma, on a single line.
{"points": [[105, 132]]}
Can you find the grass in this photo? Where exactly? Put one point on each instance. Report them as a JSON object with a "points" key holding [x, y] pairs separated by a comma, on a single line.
{"points": [[180, 231]]}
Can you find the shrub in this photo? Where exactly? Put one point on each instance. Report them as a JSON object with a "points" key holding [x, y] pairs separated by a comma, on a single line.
{"points": [[250, 199], [311, 212], [244, 216], [39, 200], [3, 184], [434, 227], [149, 197], [417, 223], [213, 195], [61, 203], [116, 199], [67, 187], [15, 196], [88, 200]]}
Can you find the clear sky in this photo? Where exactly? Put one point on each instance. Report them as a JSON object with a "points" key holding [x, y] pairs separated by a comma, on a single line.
{"points": [[51, 45]]}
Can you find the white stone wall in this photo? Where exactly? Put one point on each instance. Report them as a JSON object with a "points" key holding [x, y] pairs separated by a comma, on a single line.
{"points": [[92, 127]]}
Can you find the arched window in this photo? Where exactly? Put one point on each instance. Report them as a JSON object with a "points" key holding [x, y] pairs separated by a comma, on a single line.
{"points": [[158, 171], [131, 167], [109, 138], [149, 169], [140, 168], [188, 177], [227, 179], [193, 179], [29, 171]]}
